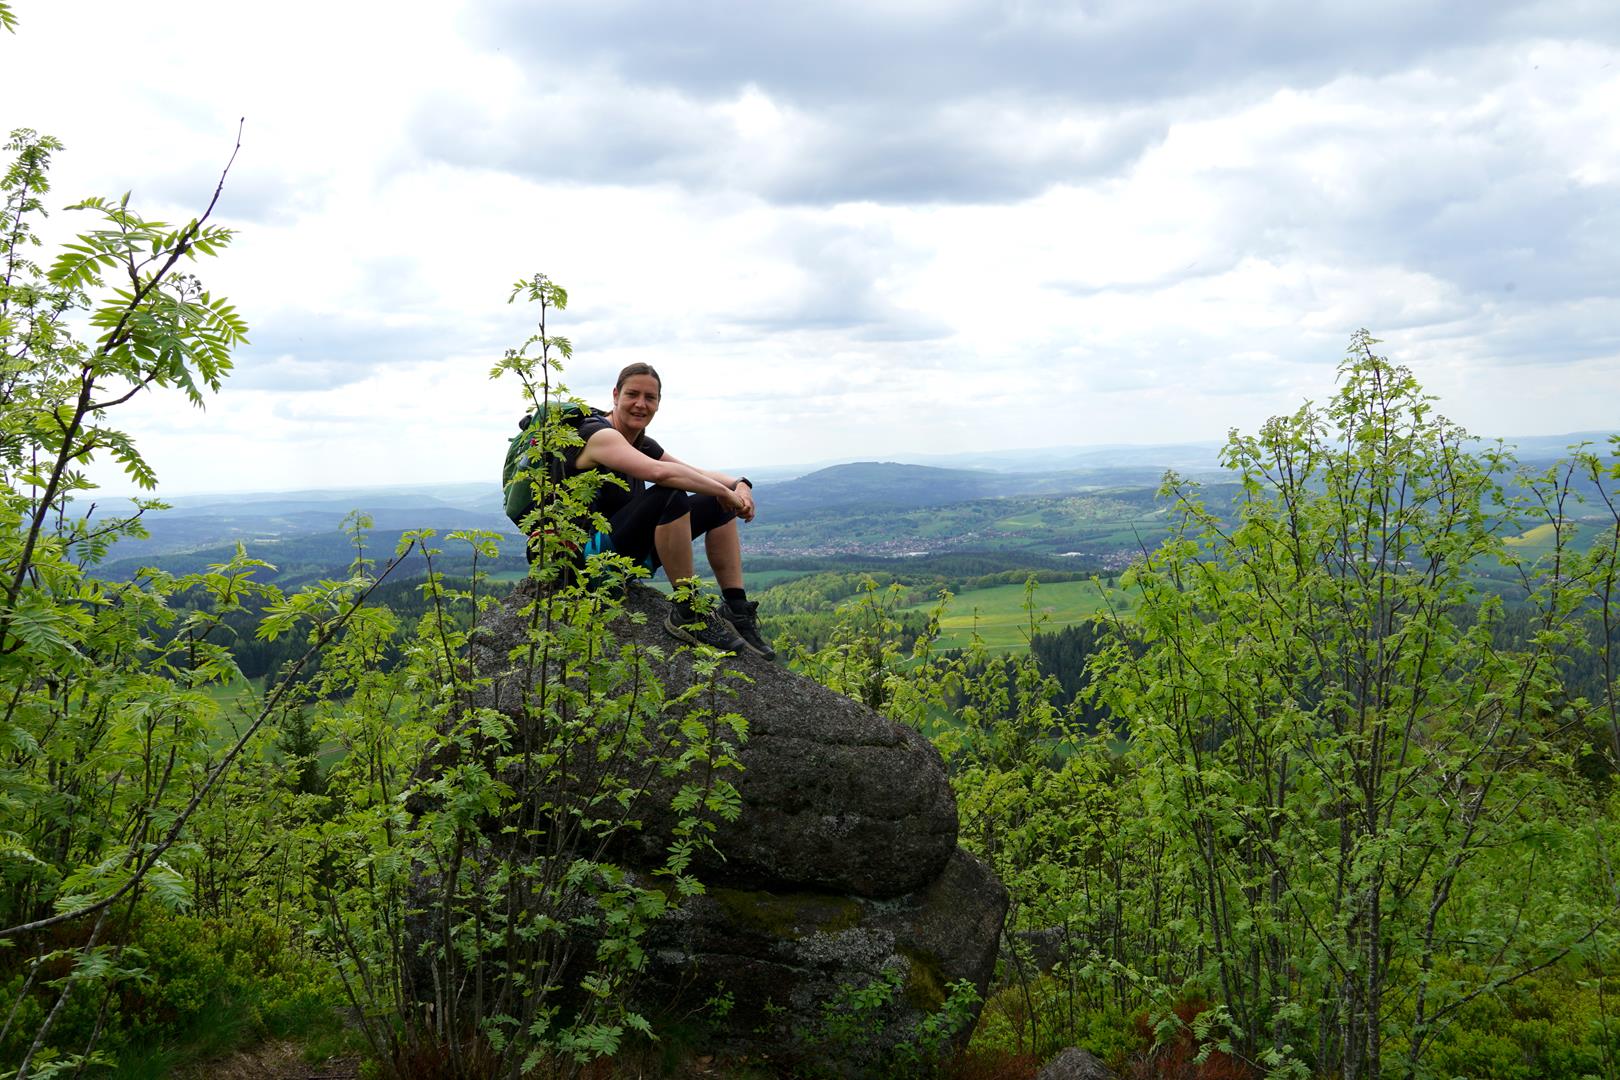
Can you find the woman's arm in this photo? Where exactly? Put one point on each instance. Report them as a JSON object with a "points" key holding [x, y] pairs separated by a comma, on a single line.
{"points": [[713, 474], [611, 450], [739, 485]]}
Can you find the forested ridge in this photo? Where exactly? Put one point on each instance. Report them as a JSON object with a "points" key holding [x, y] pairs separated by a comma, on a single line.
{"points": [[1314, 803]]}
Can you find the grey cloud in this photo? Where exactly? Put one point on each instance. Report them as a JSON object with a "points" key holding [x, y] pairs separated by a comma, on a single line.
{"points": [[1519, 243], [960, 156], [841, 269], [260, 197], [179, 192], [295, 350], [1544, 336], [1527, 241], [1121, 50], [602, 136], [1193, 271], [857, 152], [1452, 176], [838, 271], [178, 183], [1483, 206], [982, 102]]}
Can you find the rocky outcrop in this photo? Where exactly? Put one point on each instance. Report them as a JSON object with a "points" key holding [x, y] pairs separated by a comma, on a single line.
{"points": [[1075, 1064], [841, 873], [791, 966]]}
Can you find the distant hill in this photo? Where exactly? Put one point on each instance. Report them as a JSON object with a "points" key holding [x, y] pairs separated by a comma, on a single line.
{"points": [[878, 485], [307, 557], [865, 485], [204, 525], [1156, 458], [478, 497], [1113, 463], [1097, 502], [1545, 449]]}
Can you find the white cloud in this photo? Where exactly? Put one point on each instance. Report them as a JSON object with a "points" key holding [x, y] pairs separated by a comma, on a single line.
{"points": [[973, 225]]}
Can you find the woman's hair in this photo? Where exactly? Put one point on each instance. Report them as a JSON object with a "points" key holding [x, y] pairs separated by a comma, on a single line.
{"points": [[638, 369]]}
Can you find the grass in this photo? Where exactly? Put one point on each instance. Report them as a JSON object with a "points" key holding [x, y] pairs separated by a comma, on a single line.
{"points": [[236, 690], [760, 580], [238, 703], [1540, 536], [1539, 543], [1030, 519], [1586, 529], [997, 614]]}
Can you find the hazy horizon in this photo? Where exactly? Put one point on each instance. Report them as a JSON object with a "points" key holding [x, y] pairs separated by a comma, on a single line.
{"points": [[778, 474]]}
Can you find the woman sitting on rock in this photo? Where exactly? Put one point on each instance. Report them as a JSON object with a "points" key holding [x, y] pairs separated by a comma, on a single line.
{"points": [[657, 524]]}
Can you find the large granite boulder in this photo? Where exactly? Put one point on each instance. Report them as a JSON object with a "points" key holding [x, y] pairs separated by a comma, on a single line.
{"points": [[840, 875], [834, 796]]}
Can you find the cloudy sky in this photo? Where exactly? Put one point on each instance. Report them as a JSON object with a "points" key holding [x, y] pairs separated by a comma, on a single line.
{"points": [[847, 230]]}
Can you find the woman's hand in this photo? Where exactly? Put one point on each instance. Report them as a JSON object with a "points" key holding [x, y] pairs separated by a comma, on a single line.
{"points": [[740, 499]]}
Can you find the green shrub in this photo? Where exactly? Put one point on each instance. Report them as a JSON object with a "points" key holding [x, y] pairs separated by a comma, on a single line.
{"points": [[1554, 1024], [240, 975], [1006, 1019], [192, 989]]}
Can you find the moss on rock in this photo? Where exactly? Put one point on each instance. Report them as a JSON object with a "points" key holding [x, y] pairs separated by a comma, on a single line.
{"points": [[925, 982], [790, 916]]}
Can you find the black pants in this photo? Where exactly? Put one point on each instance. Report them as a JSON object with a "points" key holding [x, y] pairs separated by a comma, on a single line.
{"points": [[630, 531]]}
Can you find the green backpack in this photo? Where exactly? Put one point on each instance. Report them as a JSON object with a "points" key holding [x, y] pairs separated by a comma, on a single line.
{"points": [[518, 473]]}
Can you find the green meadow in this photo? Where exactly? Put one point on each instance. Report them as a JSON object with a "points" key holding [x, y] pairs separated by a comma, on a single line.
{"points": [[998, 616]]}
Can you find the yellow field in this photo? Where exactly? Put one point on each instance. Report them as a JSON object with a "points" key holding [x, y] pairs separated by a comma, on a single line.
{"points": [[1541, 534]]}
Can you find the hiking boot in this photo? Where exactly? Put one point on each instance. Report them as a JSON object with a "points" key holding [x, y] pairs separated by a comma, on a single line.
{"points": [[707, 630], [745, 621]]}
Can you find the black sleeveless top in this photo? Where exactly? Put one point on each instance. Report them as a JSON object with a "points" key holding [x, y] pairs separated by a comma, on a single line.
{"points": [[610, 498]]}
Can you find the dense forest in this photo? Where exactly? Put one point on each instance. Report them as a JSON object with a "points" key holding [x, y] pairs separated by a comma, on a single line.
{"points": [[1320, 804]]}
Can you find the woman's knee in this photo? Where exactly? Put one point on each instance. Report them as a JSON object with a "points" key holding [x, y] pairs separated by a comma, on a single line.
{"points": [[708, 514], [673, 504]]}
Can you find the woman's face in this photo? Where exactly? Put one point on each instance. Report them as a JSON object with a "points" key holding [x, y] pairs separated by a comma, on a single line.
{"points": [[634, 404]]}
